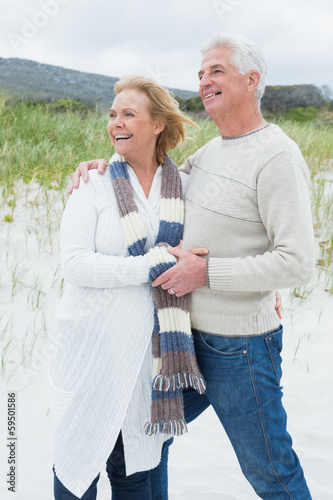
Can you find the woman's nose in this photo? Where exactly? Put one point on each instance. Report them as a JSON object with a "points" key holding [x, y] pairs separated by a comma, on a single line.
{"points": [[118, 122]]}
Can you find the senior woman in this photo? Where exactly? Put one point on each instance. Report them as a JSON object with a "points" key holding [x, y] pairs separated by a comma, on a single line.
{"points": [[114, 234]]}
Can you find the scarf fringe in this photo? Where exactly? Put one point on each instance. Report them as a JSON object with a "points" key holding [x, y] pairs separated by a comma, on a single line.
{"points": [[179, 381], [171, 427]]}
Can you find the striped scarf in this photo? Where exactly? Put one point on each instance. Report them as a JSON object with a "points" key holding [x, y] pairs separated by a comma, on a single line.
{"points": [[174, 363]]}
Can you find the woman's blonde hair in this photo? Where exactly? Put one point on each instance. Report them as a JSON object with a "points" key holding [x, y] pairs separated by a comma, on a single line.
{"points": [[163, 107]]}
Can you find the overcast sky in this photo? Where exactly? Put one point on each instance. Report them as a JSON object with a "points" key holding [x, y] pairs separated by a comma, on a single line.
{"points": [[162, 38]]}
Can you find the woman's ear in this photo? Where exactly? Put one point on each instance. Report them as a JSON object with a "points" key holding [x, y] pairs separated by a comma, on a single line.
{"points": [[159, 126]]}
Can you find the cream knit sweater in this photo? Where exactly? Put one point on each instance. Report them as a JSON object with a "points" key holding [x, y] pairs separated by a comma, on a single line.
{"points": [[248, 202], [102, 374]]}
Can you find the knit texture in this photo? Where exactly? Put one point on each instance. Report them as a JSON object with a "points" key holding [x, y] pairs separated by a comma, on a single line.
{"points": [[248, 202], [102, 372], [174, 363]]}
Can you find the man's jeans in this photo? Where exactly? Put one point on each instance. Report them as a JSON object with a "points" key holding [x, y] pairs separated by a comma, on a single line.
{"points": [[137, 486], [243, 385]]}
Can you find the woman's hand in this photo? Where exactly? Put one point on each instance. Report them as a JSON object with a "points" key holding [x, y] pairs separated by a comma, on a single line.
{"points": [[278, 305], [195, 251], [199, 251], [83, 168]]}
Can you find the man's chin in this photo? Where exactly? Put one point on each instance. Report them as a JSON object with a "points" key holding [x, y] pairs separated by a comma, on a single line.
{"points": [[210, 111]]}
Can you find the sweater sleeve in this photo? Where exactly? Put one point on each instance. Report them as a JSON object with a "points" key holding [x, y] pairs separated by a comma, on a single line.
{"points": [[285, 210], [186, 168], [81, 264], [189, 162]]}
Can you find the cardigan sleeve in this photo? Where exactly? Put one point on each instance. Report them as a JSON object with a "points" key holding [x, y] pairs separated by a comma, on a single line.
{"points": [[81, 264], [284, 205]]}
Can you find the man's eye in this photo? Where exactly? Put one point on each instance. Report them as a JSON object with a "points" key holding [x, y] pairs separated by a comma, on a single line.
{"points": [[128, 114], [112, 115]]}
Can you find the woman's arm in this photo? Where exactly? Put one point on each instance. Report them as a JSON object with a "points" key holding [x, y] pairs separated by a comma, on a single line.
{"points": [[81, 264]]}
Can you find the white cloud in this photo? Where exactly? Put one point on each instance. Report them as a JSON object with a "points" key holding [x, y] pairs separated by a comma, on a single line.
{"points": [[120, 37]]}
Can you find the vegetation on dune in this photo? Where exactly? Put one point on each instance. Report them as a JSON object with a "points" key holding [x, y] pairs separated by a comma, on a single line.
{"points": [[47, 141], [191, 105]]}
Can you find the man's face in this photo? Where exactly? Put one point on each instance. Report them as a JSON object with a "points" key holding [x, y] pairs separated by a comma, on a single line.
{"points": [[221, 88]]}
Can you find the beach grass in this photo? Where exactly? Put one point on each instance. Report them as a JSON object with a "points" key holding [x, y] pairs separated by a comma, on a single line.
{"points": [[37, 141]]}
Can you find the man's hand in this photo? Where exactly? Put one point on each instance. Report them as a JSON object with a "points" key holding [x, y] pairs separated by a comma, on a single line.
{"points": [[189, 273], [83, 168]]}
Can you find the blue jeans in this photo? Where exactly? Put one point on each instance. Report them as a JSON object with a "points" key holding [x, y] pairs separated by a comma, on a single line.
{"points": [[243, 386], [137, 486]]}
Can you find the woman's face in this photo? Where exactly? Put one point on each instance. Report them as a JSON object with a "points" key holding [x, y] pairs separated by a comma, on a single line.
{"points": [[131, 128]]}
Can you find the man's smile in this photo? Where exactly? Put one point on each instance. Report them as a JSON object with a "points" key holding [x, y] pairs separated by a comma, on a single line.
{"points": [[208, 96]]}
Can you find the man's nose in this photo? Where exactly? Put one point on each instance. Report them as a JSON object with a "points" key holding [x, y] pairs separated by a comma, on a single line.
{"points": [[205, 81]]}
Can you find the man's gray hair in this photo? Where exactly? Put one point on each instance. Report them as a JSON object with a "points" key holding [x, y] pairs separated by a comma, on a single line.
{"points": [[246, 55]]}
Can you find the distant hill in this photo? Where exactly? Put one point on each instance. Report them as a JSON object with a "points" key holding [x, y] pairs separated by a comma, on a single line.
{"points": [[44, 82]]}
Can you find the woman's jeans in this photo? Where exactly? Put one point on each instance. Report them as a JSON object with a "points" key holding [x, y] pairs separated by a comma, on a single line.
{"points": [[137, 486], [243, 377]]}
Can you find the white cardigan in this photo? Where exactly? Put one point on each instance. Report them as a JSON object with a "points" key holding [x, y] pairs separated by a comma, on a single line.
{"points": [[102, 374]]}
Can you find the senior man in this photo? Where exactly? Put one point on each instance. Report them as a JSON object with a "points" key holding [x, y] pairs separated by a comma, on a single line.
{"points": [[247, 201]]}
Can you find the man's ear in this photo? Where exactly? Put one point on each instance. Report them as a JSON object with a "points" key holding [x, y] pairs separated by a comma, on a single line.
{"points": [[253, 80]]}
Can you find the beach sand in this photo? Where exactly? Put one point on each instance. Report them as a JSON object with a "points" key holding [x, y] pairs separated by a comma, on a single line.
{"points": [[202, 463]]}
